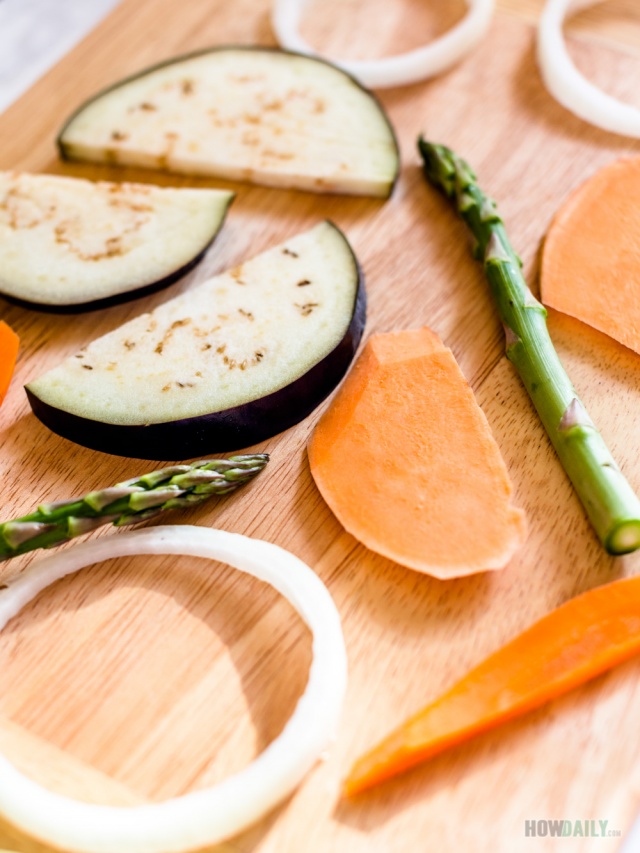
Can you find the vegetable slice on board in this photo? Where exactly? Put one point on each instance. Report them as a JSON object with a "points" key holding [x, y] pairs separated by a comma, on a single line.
{"points": [[571, 645], [591, 255], [405, 458], [231, 362], [250, 114], [610, 502], [434, 58], [568, 86], [208, 816], [131, 502], [68, 244], [9, 345]]}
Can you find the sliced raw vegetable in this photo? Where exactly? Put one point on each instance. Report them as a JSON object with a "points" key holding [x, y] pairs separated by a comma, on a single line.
{"points": [[434, 58], [67, 244], [208, 816], [9, 345], [610, 502], [591, 255], [249, 114], [580, 640], [231, 362], [405, 458], [131, 502], [568, 86]]}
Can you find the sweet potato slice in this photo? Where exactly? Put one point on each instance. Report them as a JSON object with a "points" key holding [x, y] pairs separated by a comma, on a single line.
{"points": [[591, 256], [406, 460], [9, 345]]}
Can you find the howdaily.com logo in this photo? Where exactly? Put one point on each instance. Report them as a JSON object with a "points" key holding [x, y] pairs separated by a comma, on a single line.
{"points": [[569, 828]]}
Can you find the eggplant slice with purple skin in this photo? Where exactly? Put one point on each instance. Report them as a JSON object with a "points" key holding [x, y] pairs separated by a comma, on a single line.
{"points": [[71, 245], [235, 360], [243, 113]]}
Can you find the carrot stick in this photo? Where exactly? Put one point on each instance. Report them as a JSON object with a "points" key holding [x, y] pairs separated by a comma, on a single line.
{"points": [[581, 639], [9, 344]]}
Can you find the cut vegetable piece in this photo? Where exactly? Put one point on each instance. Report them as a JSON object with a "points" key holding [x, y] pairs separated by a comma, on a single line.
{"points": [[9, 345], [406, 461], [205, 817], [568, 86], [233, 361], [434, 58], [249, 114], [591, 255], [580, 640], [610, 502], [69, 244], [131, 502]]}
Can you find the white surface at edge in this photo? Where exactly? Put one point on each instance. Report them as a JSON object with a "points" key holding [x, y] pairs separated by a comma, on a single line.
{"points": [[35, 34]]}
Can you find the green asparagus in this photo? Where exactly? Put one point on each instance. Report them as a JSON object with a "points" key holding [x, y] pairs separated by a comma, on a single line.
{"points": [[130, 502], [611, 504]]}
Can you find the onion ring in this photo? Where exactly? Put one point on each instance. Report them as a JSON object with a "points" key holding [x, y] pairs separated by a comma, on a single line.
{"points": [[206, 817], [410, 67], [567, 84]]}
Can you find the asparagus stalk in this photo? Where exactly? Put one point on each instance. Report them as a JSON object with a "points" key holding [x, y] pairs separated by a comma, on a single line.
{"points": [[611, 504], [130, 502]]}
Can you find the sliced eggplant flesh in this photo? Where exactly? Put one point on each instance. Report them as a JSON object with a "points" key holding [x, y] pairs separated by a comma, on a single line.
{"points": [[72, 244], [233, 361], [252, 114]]}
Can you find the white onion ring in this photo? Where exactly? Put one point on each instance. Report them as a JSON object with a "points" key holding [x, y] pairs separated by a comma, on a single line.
{"points": [[419, 64], [206, 817], [567, 84]]}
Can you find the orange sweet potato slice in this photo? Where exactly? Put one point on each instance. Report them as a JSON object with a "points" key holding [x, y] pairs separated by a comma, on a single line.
{"points": [[406, 460], [591, 255], [9, 344]]}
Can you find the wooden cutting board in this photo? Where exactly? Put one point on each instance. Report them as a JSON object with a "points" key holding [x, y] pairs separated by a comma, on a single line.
{"points": [[143, 679]]}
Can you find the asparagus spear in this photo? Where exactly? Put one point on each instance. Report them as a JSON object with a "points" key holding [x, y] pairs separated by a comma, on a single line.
{"points": [[129, 502], [610, 502]]}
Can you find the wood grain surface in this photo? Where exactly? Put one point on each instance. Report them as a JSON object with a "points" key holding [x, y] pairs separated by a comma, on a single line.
{"points": [[142, 679]]}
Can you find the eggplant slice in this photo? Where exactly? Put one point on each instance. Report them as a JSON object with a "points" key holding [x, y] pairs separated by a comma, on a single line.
{"points": [[251, 114], [231, 362], [73, 245]]}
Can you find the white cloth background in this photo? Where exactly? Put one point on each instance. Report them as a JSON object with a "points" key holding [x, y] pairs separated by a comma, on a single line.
{"points": [[34, 34]]}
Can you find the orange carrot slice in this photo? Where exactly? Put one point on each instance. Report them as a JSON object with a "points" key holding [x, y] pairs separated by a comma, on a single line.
{"points": [[406, 460], [580, 640], [591, 256], [9, 343]]}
